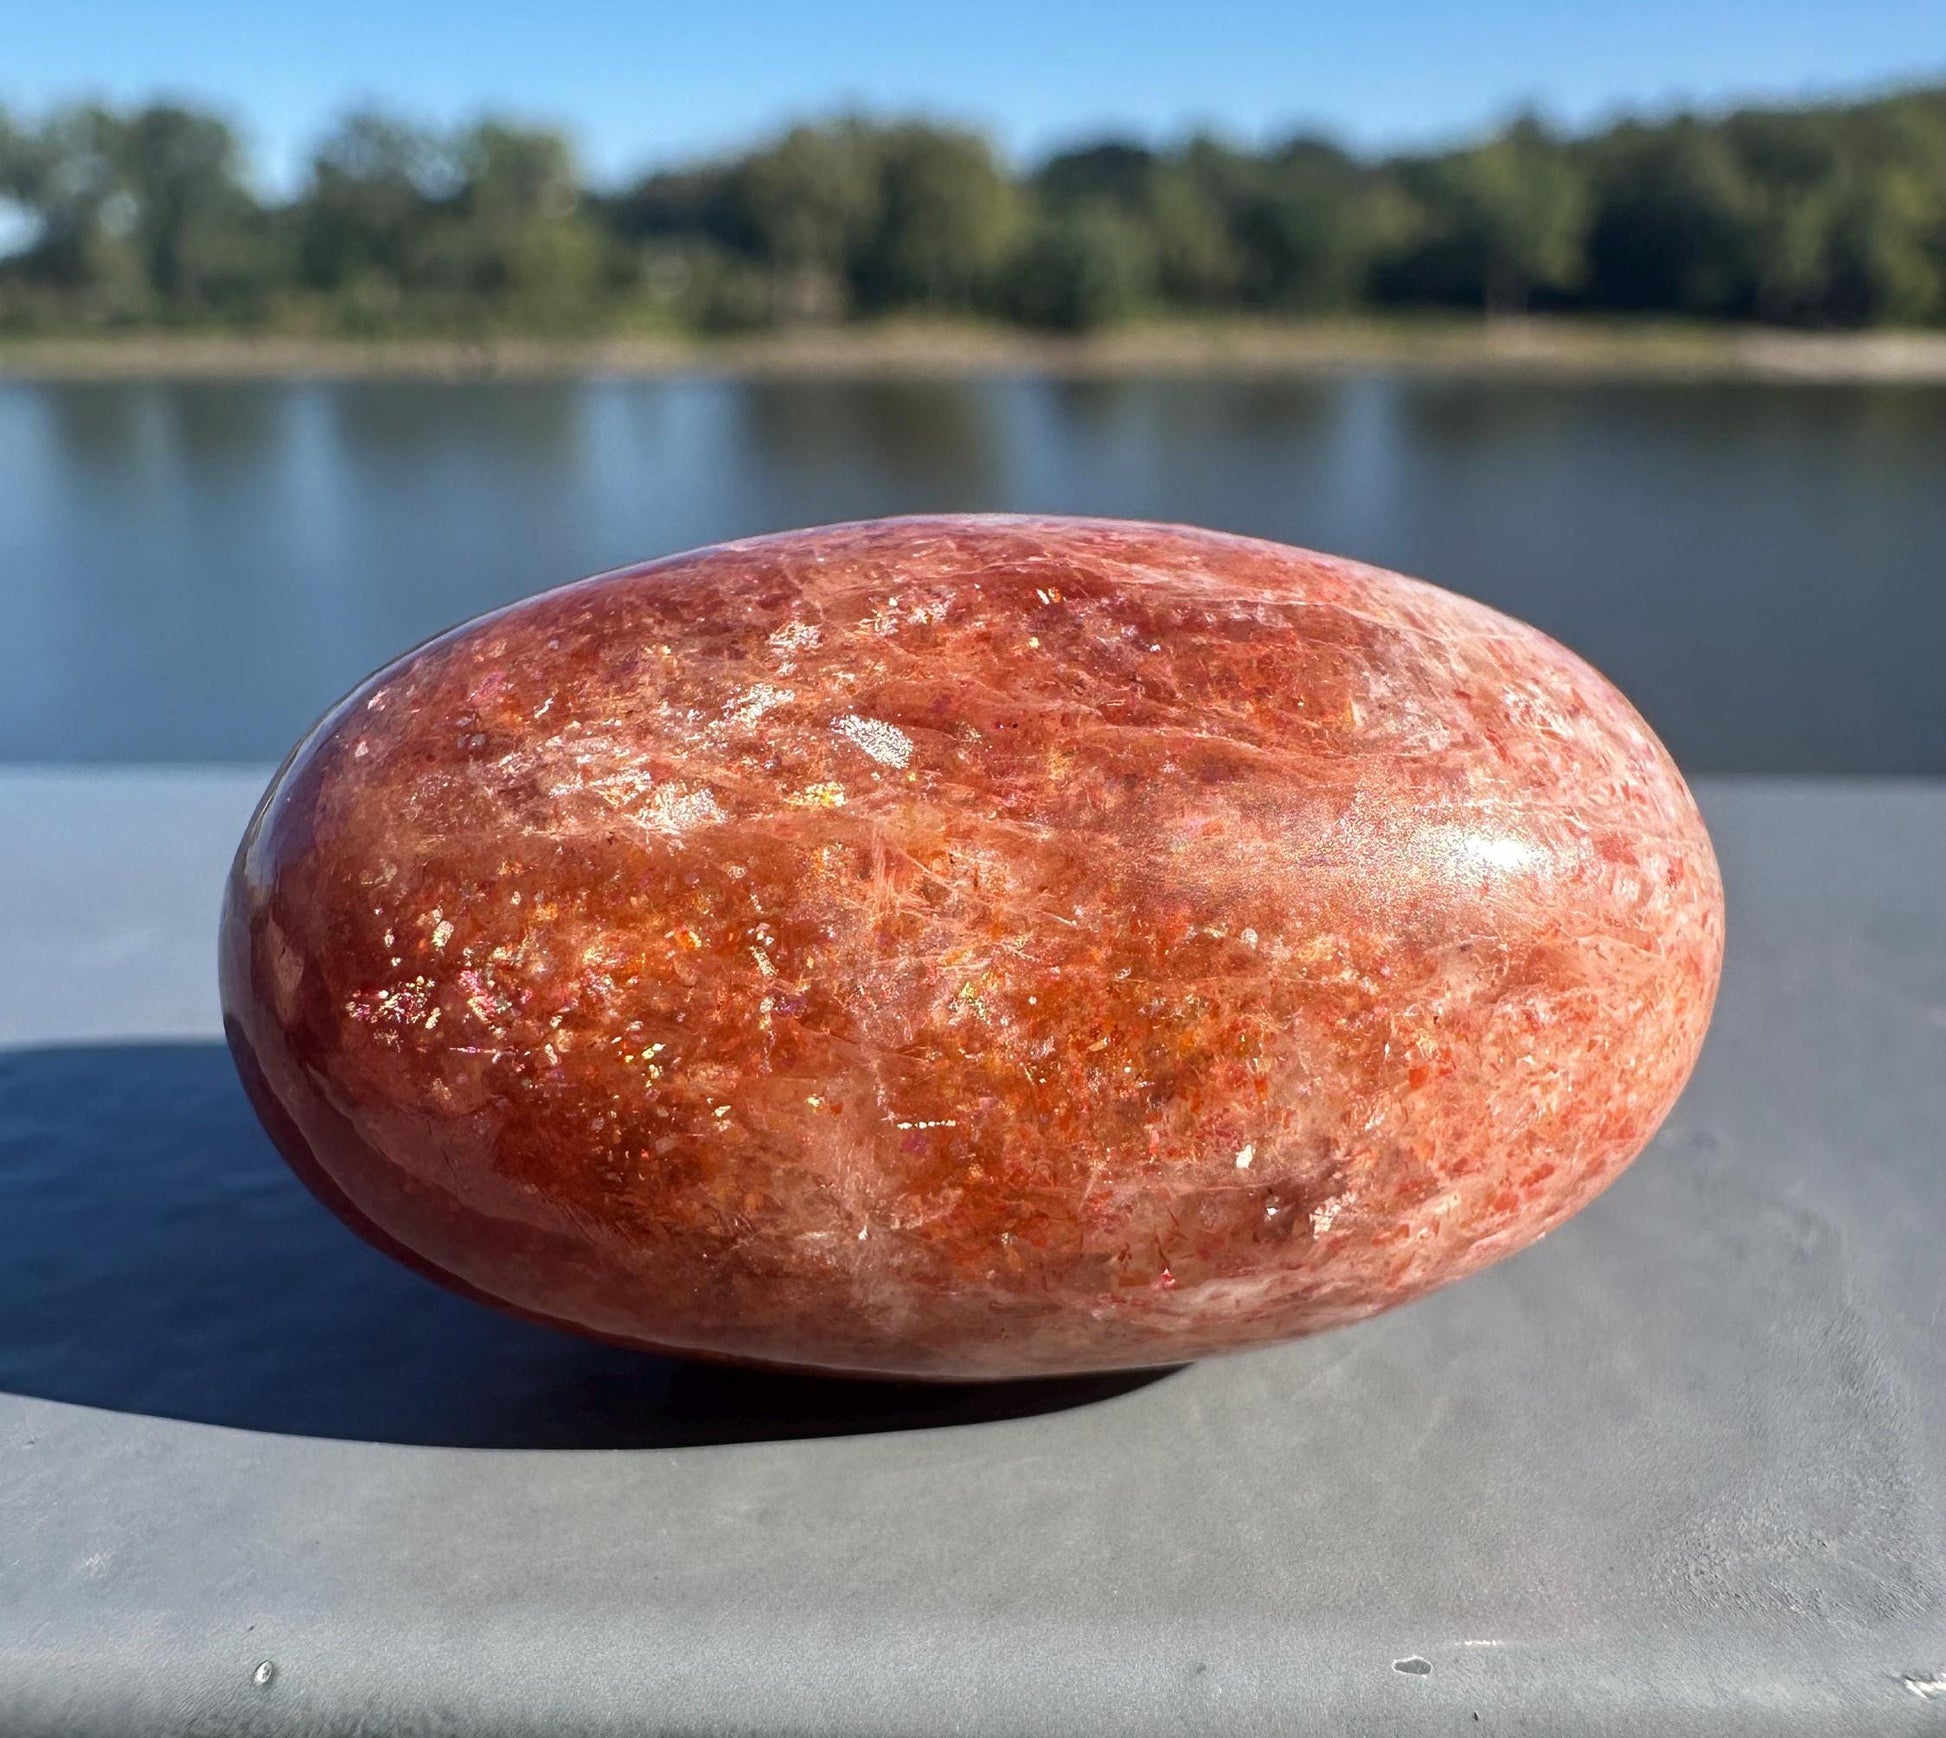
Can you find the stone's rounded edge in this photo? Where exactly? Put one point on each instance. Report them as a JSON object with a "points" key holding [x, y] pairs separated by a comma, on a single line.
{"points": [[299, 1128]]}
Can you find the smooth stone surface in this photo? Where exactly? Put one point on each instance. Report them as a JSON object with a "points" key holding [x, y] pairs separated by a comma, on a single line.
{"points": [[971, 947]]}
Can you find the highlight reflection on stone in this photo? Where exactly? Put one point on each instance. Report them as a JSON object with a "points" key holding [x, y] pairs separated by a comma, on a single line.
{"points": [[971, 947]]}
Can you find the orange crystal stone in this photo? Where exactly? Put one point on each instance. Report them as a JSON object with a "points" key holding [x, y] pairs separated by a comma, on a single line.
{"points": [[971, 947]]}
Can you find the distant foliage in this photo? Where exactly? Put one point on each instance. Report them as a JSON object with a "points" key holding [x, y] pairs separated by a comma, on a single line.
{"points": [[1830, 216]]}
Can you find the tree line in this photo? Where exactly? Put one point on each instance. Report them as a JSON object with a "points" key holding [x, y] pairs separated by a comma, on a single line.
{"points": [[1830, 215]]}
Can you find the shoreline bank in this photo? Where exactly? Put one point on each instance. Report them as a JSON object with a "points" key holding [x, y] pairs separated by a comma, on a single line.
{"points": [[1536, 347]]}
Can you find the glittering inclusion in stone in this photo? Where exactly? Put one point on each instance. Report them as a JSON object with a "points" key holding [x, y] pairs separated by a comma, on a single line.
{"points": [[971, 947]]}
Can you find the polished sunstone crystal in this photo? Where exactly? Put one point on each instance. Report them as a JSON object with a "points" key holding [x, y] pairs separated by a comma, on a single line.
{"points": [[971, 947]]}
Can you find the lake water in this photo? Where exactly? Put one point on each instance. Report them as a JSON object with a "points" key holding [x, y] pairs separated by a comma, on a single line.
{"points": [[193, 571]]}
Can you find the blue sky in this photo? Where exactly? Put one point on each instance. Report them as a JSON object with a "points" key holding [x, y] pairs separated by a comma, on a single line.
{"points": [[646, 83]]}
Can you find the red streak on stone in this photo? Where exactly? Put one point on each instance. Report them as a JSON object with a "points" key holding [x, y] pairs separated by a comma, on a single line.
{"points": [[971, 947]]}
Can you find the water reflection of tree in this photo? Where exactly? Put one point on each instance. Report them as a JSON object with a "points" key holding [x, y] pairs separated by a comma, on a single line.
{"points": [[875, 446]]}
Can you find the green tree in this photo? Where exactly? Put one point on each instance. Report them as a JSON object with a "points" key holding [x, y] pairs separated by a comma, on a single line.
{"points": [[1831, 214], [1498, 223], [19, 161], [1673, 225], [1199, 260], [515, 230], [1115, 174], [71, 178], [195, 222], [1305, 219], [809, 204], [376, 185], [946, 221], [1847, 211], [1886, 252], [1087, 266]]}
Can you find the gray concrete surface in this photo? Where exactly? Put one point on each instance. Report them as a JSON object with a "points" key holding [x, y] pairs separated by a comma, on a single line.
{"points": [[1679, 1469]]}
